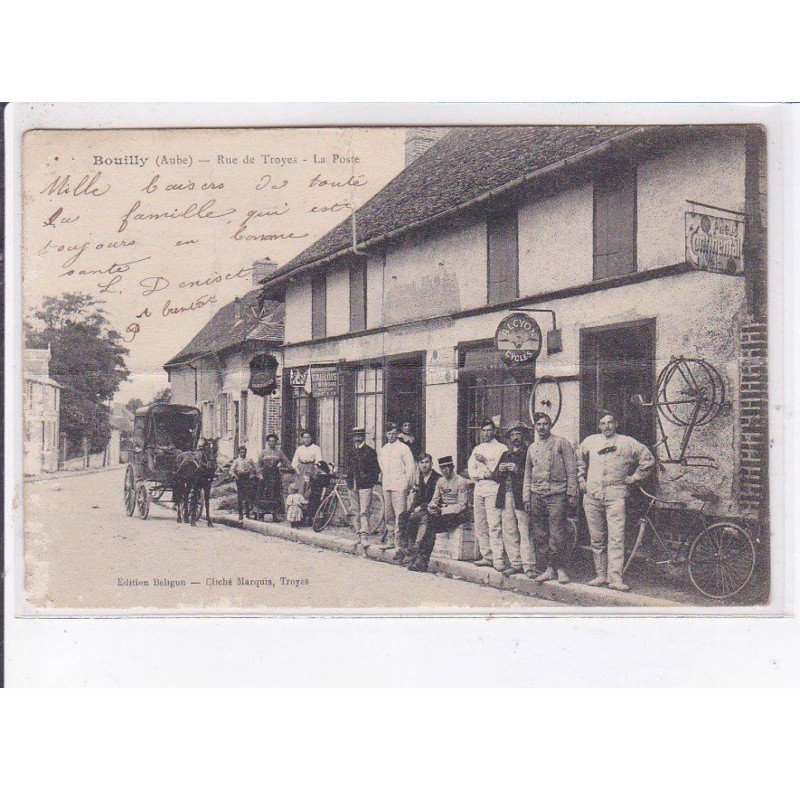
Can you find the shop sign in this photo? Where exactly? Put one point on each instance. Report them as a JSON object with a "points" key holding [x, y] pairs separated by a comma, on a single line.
{"points": [[714, 244], [441, 367], [518, 340], [298, 377], [325, 381]]}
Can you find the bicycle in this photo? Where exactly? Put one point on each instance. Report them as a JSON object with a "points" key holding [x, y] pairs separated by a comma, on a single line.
{"points": [[720, 557], [340, 502]]}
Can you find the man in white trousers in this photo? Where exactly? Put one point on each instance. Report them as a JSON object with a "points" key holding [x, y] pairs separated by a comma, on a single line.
{"points": [[397, 466], [488, 522]]}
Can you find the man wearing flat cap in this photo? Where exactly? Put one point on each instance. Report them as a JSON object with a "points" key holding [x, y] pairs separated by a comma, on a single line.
{"points": [[550, 484], [510, 474], [364, 474], [448, 509]]}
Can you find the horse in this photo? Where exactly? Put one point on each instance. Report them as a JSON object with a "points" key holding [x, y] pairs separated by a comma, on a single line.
{"points": [[188, 468], [205, 476], [193, 478]]}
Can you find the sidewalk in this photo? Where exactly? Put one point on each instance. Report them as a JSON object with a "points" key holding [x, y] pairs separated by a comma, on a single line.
{"points": [[344, 541], [70, 473]]}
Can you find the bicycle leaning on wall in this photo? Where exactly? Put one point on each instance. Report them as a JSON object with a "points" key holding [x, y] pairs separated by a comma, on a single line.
{"points": [[339, 504]]}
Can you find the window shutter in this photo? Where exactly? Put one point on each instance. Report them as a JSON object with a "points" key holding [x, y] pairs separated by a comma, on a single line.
{"points": [[358, 295], [503, 258], [615, 224], [319, 301]]}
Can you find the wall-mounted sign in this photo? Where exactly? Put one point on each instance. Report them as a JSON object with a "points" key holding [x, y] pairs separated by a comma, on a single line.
{"points": [[441, 366], [298, 376], [518, 339], [263, 374], [325, 381], [713, 243]]}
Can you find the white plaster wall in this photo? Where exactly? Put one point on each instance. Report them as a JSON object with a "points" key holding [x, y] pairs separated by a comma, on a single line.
{"points": [[338, 303], [555, 241], [375, 291], [297, 327], [181, 382], [441, 432], [437, 274], [710, 170]]}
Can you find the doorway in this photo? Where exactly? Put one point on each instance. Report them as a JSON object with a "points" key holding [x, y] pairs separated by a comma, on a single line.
{"points": [[617, 363], [405, 394]]}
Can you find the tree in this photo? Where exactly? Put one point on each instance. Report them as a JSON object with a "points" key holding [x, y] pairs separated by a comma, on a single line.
{"points": [[87, 357], [133, 404], [163, 396]]}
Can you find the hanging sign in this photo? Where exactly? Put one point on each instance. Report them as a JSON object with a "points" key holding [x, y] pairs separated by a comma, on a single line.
{"points": [[441, 366], [518, 339], [325, 381], [714, 244], [298, 377]]}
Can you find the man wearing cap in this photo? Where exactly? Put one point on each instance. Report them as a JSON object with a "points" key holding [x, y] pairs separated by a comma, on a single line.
{"points": [[421, 497], [480, 468], [364, 474], [608, 464], [448, 509], [549, 486], [510, 473], [397, 466]]}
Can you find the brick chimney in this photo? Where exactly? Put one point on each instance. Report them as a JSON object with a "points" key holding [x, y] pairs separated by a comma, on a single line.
{"points": [[262, 268], [418, 140]]}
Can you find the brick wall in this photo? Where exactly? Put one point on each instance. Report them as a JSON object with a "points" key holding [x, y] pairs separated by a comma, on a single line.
{"points": [[753, 419]]}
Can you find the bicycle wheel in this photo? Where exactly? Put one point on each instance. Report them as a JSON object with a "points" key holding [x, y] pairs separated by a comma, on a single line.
{"points": [[376, 511], [325, 512], [722, 560]]}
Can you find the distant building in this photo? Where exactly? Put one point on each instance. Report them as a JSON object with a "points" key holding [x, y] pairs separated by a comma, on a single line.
{"points": [[231, 370], [42, 401], [120, 421]]}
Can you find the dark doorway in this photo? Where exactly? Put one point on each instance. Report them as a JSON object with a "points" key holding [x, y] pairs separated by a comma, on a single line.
{"points": [[405, 393], [617, 363]]}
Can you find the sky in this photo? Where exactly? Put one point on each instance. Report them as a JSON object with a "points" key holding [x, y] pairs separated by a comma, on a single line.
{"points": [[163, 226]]}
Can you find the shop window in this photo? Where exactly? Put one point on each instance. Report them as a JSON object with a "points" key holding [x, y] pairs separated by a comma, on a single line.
{"points": [[319, 302], [503, 259], [369, 403], [488, 388], [358, 295], [615, 224]]}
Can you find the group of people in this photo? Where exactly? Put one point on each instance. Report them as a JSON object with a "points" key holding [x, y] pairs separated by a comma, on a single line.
{"points": [[518, 495]]}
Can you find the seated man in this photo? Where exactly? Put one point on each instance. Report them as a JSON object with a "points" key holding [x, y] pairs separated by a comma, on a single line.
{"points": [[421, 496], [448, 509]]}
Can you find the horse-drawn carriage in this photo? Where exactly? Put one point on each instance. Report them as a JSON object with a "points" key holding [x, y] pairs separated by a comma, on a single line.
{"points": [[162, 433]]}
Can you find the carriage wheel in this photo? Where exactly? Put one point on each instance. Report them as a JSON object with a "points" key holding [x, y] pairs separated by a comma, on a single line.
{"points": [[722, 560], [545, 397], [130, 491], [143, 500]]}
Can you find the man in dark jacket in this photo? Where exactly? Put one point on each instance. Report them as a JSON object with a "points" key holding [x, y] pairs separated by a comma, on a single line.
{"points": [[364, 474], [421, 496], [510, 473]]}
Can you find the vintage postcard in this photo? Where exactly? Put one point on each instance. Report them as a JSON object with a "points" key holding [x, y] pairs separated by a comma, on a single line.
{"points": [[422, 369]]}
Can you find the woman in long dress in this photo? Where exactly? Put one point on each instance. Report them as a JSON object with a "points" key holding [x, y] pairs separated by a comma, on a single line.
{"points": [[273, 463], [305, 460]]}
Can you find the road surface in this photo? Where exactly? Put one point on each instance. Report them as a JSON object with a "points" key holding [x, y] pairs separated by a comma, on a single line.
{"points": [[83, 552]]}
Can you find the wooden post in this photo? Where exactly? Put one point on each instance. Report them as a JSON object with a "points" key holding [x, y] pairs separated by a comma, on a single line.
{"points": [[85, 443]]}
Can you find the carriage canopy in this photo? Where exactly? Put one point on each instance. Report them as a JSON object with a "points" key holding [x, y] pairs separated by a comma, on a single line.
{"points": [[167, 425]]}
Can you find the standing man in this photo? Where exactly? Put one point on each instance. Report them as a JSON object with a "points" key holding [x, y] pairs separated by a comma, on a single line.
{"points": [[397, 466], [510, 473], [608, 464], [244, 471], [421, 497], [448, 509], [364, 474], [550, 485], [481, 466]]}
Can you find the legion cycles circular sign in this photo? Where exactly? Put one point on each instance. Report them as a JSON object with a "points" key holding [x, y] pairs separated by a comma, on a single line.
{"points": [[518, 339]]}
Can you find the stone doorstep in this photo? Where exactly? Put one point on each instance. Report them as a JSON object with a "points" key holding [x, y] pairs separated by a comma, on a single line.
{"points": [[574, 594]]}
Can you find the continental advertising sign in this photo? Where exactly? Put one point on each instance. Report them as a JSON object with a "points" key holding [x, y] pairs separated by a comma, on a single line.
{"points": [[714, 244]]}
